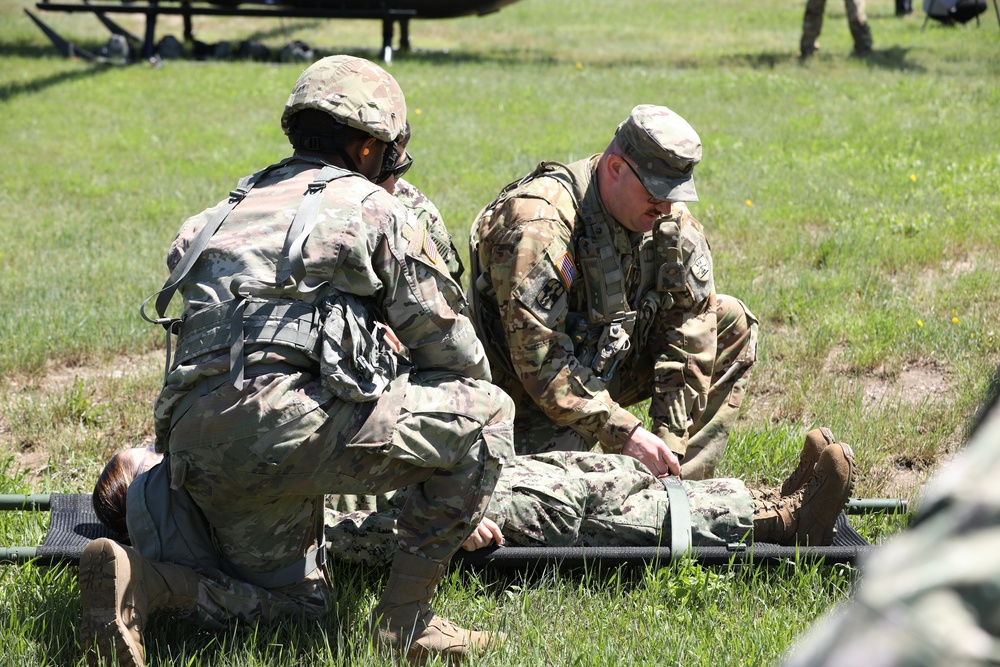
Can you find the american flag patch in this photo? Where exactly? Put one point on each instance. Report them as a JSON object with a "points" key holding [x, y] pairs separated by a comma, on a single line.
{"points": [[567, 269], [430, 248]]}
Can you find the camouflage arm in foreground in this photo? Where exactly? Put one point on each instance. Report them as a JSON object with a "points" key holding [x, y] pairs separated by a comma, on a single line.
{"points": [[930, 595]]}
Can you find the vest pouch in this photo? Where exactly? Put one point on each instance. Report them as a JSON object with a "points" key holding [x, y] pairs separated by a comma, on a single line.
{"points": [[356, 362], [670, 274], [286, 322]]}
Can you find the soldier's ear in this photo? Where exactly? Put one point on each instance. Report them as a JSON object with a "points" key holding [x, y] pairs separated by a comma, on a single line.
{"points": [[367, 156], [616, 167]]}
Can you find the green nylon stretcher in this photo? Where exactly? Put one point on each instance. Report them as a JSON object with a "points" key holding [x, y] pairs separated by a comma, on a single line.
{"points": [[73, 524]]}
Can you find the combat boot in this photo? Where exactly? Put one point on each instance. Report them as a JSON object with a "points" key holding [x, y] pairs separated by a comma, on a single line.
{"points": [[403, 620], [118, 590], [816, 441], [809, 515]]}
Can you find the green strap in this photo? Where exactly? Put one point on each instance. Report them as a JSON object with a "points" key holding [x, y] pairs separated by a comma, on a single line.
{"points": [[680, 517]]}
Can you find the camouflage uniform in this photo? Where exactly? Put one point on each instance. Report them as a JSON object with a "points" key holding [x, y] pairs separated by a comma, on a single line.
{"points": [[310, 399], [165, 525], [930, 595], [542, 300], [427, 213], [564, 499], [857, 21]]}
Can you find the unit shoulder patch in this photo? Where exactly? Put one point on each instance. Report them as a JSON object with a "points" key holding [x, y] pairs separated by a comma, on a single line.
{"points": [[549, 294]]}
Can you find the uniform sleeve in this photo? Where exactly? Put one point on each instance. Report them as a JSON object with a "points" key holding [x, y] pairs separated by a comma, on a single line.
{"points": [[423, 305], [427, 213], [684, 337], [527, 261]]}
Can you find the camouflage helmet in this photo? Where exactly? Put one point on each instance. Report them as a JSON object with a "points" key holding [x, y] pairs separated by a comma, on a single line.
{"points": [[354, 91]]}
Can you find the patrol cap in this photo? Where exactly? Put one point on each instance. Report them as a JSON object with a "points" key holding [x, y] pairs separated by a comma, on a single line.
{"points": [[354, 91], [665, 149]]}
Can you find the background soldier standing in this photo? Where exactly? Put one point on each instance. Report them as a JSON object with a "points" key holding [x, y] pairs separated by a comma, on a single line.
{"points": [[857, 21], [592, 289], [321, 350]]}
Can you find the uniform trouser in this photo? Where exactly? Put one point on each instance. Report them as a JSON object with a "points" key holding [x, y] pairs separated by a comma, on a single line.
{"points": [[562, 499], [712, 422], [450, 439], [857, 21], [708, 434]]}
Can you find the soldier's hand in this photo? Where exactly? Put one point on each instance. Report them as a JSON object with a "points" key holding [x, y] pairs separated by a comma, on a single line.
{"points": [[483, 535], [390, 338], [652, 452]]}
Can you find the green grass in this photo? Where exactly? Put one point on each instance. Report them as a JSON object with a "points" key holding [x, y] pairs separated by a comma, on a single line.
{"points": [[852, 204]]}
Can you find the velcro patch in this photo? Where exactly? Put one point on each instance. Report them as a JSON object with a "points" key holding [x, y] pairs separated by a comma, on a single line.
{"points": [[701, 267]]}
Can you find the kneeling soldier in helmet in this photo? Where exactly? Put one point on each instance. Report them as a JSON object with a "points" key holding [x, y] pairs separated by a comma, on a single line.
{"points": [[321, 350]]}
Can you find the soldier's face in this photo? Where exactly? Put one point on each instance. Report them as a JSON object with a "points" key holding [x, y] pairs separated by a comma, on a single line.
{"points": [[630, 203]]}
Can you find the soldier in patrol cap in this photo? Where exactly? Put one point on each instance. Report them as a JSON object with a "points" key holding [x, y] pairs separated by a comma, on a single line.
{"points": [[321, 349], [592, 289]]}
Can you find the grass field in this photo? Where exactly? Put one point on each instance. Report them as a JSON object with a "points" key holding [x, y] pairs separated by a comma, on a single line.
{"points": [[854, 205]]}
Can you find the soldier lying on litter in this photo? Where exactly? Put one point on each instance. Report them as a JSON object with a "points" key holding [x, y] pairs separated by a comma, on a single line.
{"points": [[554, 499]]}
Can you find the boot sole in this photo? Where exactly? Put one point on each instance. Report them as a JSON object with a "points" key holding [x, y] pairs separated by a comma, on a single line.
{"points": [[103, 636]]}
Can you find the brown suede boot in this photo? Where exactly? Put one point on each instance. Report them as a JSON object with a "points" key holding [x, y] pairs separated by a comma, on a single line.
{"points": [[403, 620], [118, 590], [816, 441], [808, 516]]}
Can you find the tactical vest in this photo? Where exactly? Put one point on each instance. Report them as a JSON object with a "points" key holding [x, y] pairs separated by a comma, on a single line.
{"points": [[338, 335], [261, 312], [602, 336]]}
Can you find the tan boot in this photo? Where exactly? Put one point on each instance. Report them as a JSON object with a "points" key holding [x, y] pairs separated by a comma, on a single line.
{"points": [[118, 590], [816, 441], [808, 516], [404, 622]]}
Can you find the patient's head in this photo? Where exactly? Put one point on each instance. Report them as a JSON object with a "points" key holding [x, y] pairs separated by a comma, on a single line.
{"points": [[111, 488]]}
